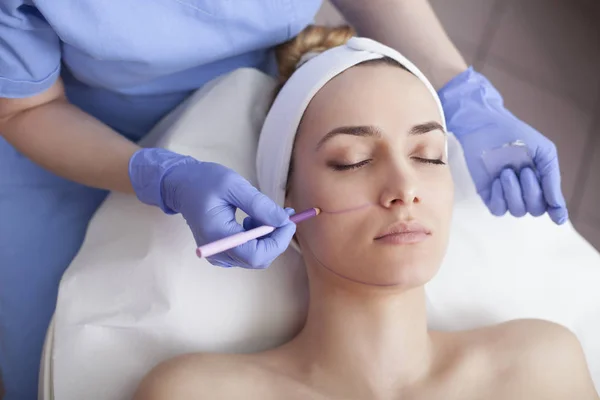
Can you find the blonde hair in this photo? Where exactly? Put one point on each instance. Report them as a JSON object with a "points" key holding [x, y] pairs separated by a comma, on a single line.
{"points": [[312, 39], [316, 39]]}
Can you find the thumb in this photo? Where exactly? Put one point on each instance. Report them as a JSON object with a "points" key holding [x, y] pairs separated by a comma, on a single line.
{"points": [[557, 207], [254, 203], [550, 178], [549, 171], [251, 223]]}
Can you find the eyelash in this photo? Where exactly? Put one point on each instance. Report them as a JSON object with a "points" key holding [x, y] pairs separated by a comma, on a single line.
{"points": [[346, 167], [430, 161]]}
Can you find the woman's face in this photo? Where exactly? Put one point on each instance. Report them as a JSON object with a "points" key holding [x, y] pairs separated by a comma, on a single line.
{"points": [[372, 137]]}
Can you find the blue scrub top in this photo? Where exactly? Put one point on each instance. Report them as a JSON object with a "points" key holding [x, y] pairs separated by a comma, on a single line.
{"points": [[129, 62]]}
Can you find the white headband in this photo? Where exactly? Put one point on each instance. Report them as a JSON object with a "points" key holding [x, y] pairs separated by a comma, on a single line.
{"points": [[279, 129]]}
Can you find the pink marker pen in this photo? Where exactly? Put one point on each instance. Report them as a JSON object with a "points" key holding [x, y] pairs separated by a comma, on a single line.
{"points": [[232, 241]]}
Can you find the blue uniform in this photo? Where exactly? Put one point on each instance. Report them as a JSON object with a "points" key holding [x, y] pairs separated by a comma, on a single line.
{"points": [[128, 63]]}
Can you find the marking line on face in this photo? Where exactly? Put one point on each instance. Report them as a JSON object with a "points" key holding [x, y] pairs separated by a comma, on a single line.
{"points": [[347, 209], [361, 207], [347, 277]]}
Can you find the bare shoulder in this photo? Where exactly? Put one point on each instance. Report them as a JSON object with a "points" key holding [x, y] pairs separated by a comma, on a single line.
{"points": [[199, 376], [539, 359]]}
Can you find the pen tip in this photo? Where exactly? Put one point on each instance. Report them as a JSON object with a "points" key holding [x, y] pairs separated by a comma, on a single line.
{"points": [[317, 210]]}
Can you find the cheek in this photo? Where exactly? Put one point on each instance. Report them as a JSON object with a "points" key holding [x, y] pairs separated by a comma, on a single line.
{"points": [[321, 230], [326, 234], [334, 239], [316, 186], [448, 197], [330, 196], [436, 190], [440, 203]]}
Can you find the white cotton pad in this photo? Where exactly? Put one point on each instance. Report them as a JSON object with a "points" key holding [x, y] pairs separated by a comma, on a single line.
{"points": [[512, 155]]}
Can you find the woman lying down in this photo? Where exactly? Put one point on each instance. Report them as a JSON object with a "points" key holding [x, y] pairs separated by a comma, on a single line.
{"points": [[358, 131]]}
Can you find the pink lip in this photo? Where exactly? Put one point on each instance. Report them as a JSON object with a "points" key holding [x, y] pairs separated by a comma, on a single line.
{"points": [[404, 233]]}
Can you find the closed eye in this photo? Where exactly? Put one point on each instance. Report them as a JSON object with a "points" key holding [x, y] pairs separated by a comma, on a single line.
{"points": [[346, 167], [429, 160]]}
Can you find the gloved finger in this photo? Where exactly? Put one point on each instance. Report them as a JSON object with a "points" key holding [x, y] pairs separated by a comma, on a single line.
{"points": [[259, 253], [277, 242], [532, 192], [496, 203], [512, 193], [232, 260], [557, 206], [485, 194], [218, 262], [251, 223], [254, 203], [214, 224], [559, 215]]}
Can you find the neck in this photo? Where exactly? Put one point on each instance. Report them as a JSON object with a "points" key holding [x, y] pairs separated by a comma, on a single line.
{"points": [[366, 339]]}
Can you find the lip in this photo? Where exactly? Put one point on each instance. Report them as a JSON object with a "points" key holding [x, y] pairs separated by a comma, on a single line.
{"points": [[404, 233]]}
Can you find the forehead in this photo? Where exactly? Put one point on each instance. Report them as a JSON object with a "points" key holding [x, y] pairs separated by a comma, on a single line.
{"points": [[382, 95]]}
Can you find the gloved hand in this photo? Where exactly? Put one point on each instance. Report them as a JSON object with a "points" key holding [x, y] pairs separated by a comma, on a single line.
{"points": [[207, 196], [476, 115]]}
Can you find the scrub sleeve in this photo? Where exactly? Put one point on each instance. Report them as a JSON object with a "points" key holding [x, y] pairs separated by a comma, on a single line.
{"points": [[43, 218]]}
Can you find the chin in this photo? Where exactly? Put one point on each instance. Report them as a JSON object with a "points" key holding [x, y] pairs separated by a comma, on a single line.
{"points": [[407, 270], [401, 267]]}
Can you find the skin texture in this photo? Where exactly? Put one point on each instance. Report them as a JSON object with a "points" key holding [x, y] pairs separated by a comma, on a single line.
{"points": [[366, 333]]}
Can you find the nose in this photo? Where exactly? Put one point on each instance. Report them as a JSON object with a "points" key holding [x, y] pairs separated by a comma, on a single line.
{"points": [[401, 188]]}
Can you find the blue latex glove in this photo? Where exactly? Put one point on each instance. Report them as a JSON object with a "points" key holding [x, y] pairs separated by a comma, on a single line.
{"points": [[251, 223], [207, 196], [476, 115]]}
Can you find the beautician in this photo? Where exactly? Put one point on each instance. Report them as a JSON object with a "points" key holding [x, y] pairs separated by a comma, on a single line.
{"points": [[81, 82]]}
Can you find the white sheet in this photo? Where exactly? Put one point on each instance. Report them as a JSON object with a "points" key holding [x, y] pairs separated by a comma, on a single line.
{"points": [[136, 294]]}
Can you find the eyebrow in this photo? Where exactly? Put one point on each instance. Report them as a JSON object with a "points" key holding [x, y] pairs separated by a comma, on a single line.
{"points": [[427, 127], [372, 131]]}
